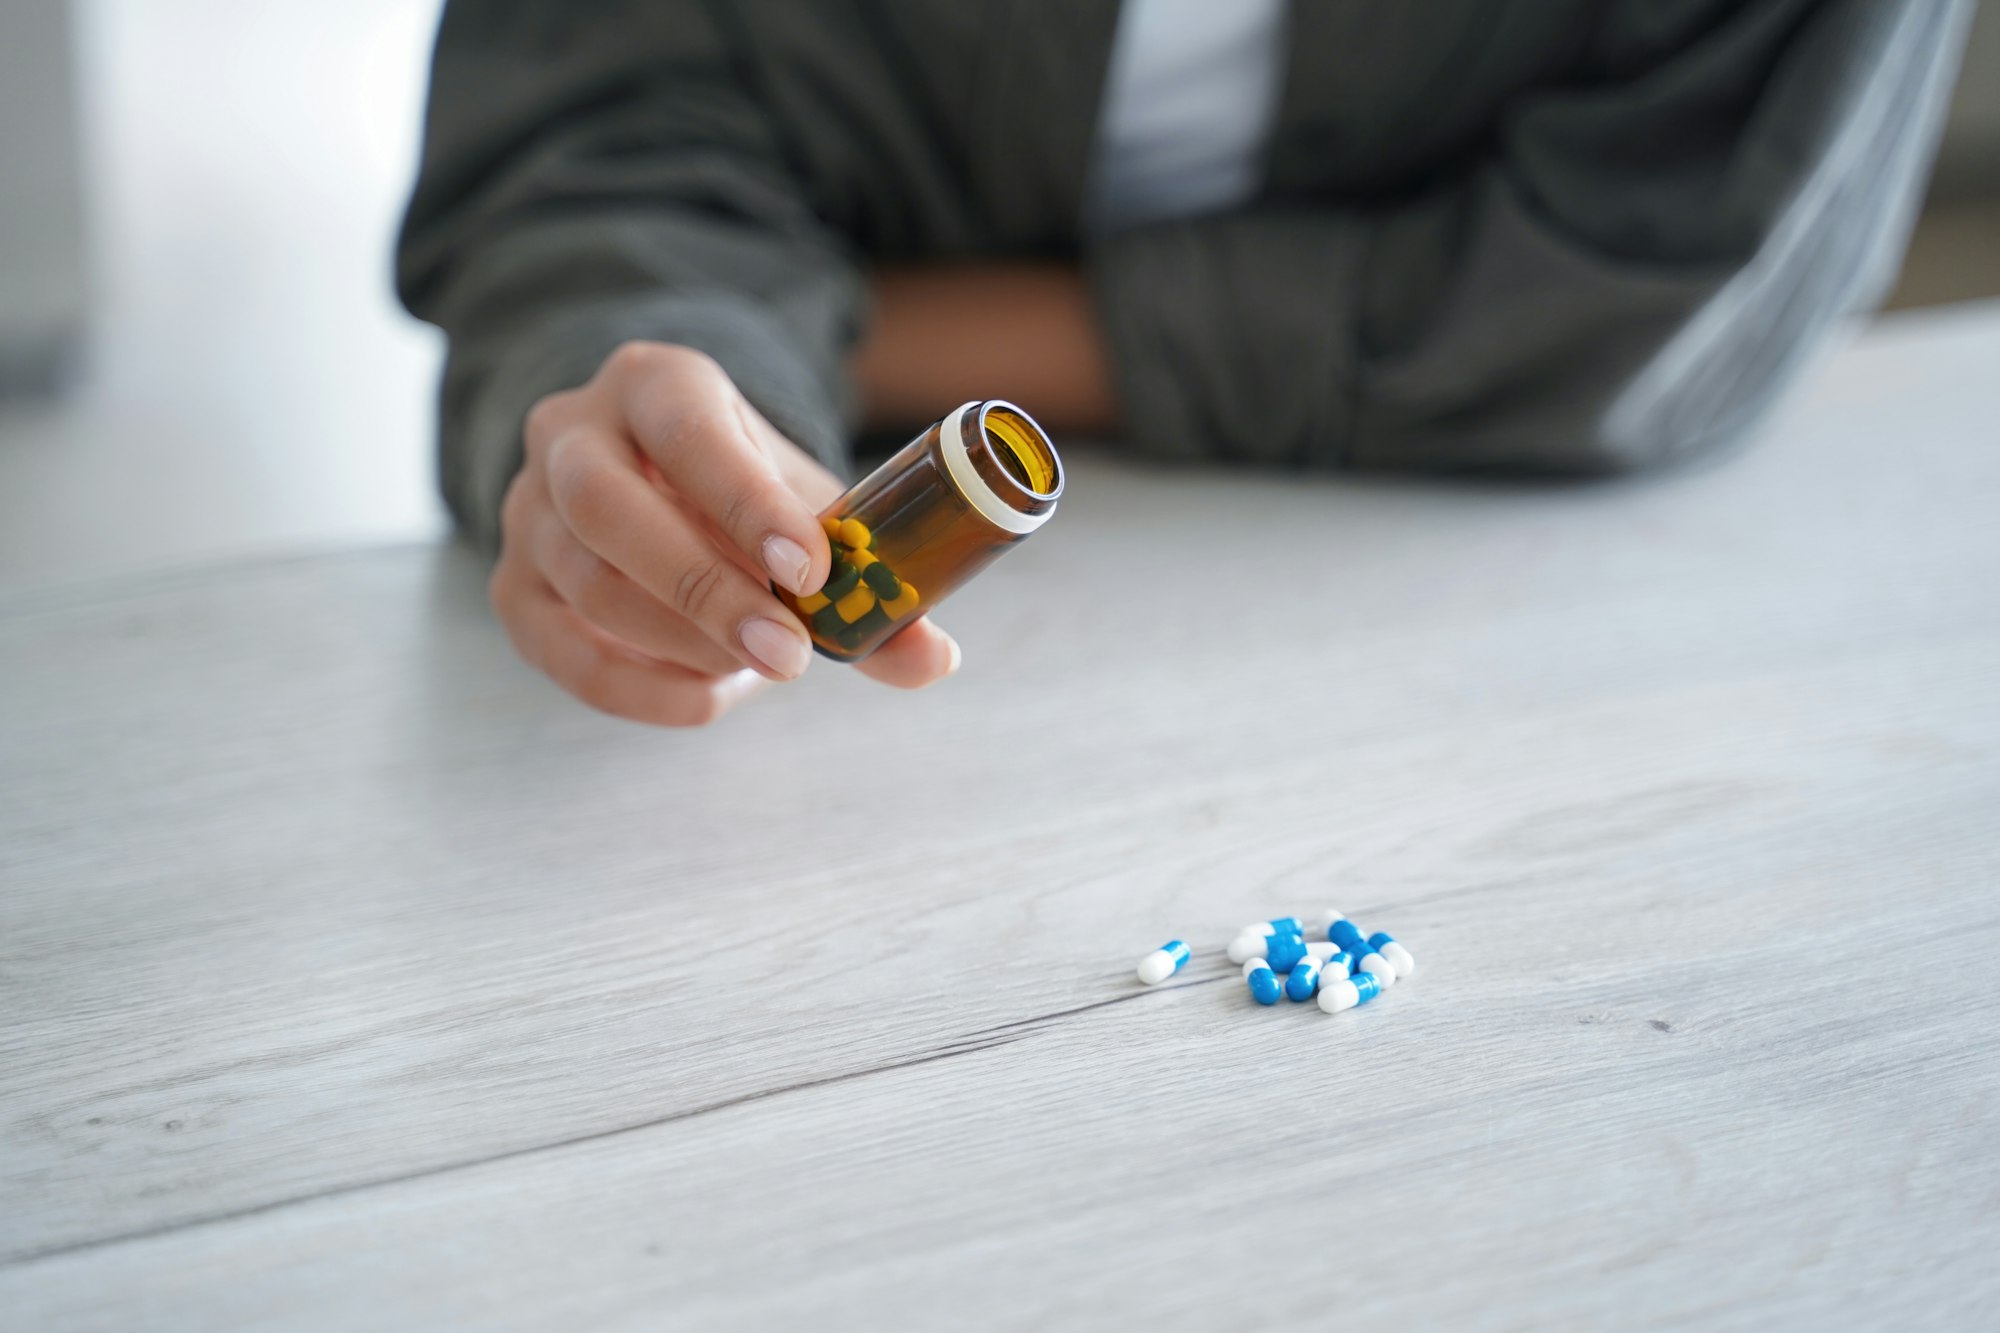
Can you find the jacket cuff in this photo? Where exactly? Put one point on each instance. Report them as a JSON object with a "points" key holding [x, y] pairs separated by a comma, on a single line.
{"points": [[484, 405]]}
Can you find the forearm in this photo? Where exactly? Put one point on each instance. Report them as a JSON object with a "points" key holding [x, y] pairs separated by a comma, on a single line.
{"points": [[576, 196], [942, 335]]}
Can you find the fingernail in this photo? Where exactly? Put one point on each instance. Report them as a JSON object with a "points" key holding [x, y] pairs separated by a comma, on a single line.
{"points": [[776, 647], [956, 657], [789, 564]]}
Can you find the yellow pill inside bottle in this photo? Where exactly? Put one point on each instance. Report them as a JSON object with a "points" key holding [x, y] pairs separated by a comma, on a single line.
{"points": [[972, 486]]}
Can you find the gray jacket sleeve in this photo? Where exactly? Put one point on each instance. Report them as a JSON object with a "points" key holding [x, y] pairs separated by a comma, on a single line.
{"points": [[595, 173], [1629, 273]]}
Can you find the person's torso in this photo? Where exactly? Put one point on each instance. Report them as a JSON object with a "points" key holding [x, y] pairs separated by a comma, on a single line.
{"points": [[937, 128], [1186, 108]]}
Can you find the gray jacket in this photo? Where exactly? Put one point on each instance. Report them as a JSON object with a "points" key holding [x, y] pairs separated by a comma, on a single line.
{"points": [[1533, 235]]}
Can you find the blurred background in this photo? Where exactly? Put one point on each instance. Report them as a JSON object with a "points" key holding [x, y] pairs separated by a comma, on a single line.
{"points": [[200, 355]]}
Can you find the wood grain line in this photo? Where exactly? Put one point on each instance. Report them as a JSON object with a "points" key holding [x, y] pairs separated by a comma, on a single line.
{"points": [[972, 1043]]}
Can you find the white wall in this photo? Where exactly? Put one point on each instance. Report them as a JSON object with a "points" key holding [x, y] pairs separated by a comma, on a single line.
{"points": [[249, 383]]}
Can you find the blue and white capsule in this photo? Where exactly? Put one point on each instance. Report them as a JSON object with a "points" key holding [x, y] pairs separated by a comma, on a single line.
{"points": [[1348, 936], [1322, 949], [1263, 982], [1277, 925], [1163, 962], [1339, 964], [1344, 932], [1303, 981], [1383, 943], [1347, 992], [1380, 967], [1284, 952]]}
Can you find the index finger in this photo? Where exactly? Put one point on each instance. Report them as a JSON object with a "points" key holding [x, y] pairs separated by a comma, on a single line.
{"points": [[688, 417]]}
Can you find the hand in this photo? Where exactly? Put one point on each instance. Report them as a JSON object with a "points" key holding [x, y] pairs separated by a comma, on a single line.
{"points": [[653, 504]]}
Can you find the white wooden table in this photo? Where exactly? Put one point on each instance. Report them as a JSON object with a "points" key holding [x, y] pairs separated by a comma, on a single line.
{"points": [[350, 976]]}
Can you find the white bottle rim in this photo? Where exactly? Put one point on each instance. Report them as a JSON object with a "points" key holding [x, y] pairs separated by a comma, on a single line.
{"points": [[981, 496]]}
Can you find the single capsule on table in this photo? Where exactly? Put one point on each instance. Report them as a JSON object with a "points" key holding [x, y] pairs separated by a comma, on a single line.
{"points": [[1248, 944], [1338, 964], [1163, 962], [1346, 992], [1343, 932], [1263, 982], [1303, 982], [1383, 943], [1375, 964], [1277, 925]]}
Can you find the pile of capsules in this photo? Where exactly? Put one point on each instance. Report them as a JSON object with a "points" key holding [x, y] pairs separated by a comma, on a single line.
{"points": [[1344, 970], [861, 593]]}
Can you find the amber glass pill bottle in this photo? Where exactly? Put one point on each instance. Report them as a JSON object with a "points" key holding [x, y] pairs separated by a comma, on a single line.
{"points": [[942, 509]]}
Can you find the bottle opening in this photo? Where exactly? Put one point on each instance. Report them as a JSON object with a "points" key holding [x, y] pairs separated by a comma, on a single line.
{"points": [[1023, 451]]}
